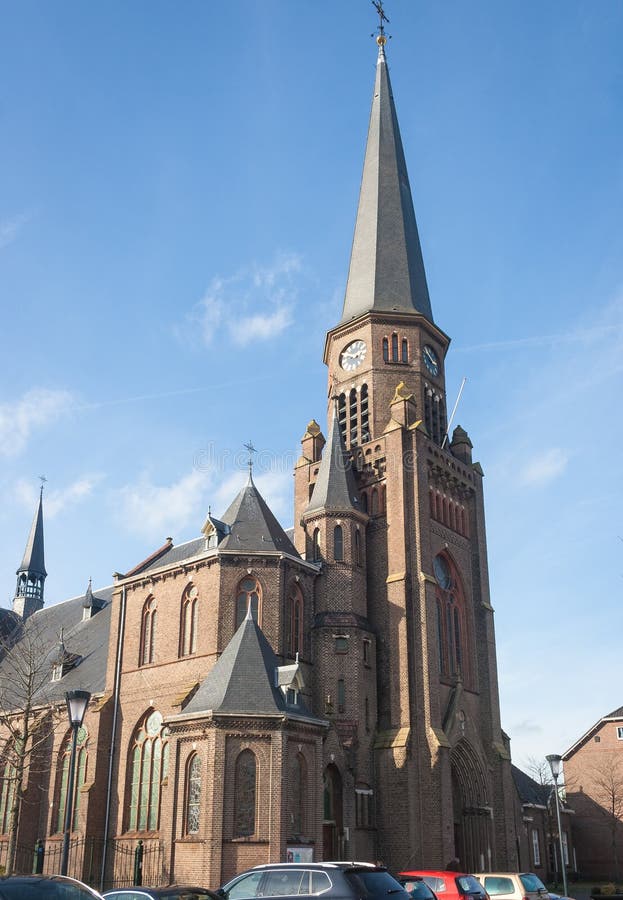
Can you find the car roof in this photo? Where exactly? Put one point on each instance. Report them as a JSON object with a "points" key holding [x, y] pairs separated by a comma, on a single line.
{"points": [[331, 864], [441, 873]]}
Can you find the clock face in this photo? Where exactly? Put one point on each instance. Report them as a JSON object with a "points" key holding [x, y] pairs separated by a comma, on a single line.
{"points": [[430, 360], [353, 355]]}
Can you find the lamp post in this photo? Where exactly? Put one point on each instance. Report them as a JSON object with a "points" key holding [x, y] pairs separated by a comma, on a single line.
{"points": [[77, 702], [554, 763]]}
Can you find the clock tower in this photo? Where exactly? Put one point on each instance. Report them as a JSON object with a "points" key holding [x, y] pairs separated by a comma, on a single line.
{"points": [[408, 618]]}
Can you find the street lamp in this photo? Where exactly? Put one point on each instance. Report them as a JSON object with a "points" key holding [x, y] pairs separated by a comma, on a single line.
{"points": [[77, 702], [554, 763]]}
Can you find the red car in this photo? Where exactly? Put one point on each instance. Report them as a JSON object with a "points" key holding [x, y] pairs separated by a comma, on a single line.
{"points": [[449, 885]]}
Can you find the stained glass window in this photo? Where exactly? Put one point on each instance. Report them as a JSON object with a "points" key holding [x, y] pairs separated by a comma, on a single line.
{"points": [[193, 794], [451, 632], [295, 605], [188, 624], [148, 632], [63, 778], [150, 756], [245, 780], [249, 594]]}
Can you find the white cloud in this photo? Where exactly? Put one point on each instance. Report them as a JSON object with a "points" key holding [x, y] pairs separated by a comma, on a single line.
{"points": [[255, 303], [10, 228], [157, 511], [37, 408], [55, 501], [545, 467]]}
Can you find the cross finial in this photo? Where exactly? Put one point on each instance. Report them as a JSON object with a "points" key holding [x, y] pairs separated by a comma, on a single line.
{"points": [[251, 450], [43, 480], [378, 5]]}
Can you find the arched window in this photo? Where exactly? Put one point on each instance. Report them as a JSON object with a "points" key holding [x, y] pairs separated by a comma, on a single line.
{"points": [[364, 501], [148, 632], [193, 794], [374, 502], [63, 778], [365, 414], [385, 350], [297, 784], [357, 547], [352, 412], [188, 623], [394, 347], [7, 793], [245, 784], [341, 415], [338, 543], [405, 351], [296, 619], [451, 619], [149, 759], [341, 696], [316, 545], [249, 594]]}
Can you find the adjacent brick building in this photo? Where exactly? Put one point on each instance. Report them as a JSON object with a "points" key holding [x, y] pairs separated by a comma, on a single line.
{"points": [[327, 692]]}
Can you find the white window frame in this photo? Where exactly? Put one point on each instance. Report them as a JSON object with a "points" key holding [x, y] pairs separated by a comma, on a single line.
{"points": [[565, 848], [619, 732], [536, 848]]}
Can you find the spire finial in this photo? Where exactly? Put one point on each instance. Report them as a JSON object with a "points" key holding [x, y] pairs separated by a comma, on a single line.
{"points": [[43, 481], [251, 450], [381, 37]]}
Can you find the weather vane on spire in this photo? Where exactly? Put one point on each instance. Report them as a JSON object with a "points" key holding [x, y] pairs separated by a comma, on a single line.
{"points": [[43, 480], [251, 450], [378, 5]]}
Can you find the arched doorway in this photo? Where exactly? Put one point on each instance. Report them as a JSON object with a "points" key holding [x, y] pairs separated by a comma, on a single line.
{"points": [[332, 818], [472, 811]]}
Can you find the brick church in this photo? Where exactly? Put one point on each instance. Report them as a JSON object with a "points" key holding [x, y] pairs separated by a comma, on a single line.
{"points": [[258, 694]]}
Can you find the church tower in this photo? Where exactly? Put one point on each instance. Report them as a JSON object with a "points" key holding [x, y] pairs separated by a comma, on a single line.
{"points": [[31, 574], [425, 775]]}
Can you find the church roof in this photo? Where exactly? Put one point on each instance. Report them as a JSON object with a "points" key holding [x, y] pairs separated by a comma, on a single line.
{"points": [[243, 680], [335, 487], [253, 526], [529, 790], [386, 266], [33, 555]]}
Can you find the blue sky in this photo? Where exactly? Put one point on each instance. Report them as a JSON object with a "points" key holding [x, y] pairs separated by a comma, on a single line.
{"points": [[176, 211]]}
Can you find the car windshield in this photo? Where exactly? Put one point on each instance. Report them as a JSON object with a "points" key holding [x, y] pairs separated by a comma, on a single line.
{"points": [[469, 885], [532, 882], [374, 883]]}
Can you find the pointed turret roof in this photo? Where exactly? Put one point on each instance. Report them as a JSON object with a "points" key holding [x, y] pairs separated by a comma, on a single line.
{"points": [[386, 266], [33, 561], [252, 526], [243, 679], [335, 487]]}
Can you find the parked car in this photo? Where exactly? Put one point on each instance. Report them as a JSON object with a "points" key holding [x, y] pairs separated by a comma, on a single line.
{"points": [[417, 887], [513, 885], [348, 881], [172, 892], [45, 887], [450, 885]]}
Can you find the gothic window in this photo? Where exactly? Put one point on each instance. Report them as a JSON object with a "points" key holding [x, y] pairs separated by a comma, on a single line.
{"points": [[451, 629], [364, 501], [363, 806], [357, 547], [296, 609], [341, 695], [248, 595], [341, 415], [148, 632], [385, 350], [245, 784], [366, 713], [297, 783], [431, 500], [188, 623], [338, 543], [352, 413], [149, 758], [365, 414], [405, 351], [536, 848], [193, 794], [316, 545], [394, 347], [7, 794], [63, 778], [374, 502]]}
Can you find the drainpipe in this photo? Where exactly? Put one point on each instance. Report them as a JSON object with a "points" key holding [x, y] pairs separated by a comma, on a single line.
{"points": [[115, 715]]}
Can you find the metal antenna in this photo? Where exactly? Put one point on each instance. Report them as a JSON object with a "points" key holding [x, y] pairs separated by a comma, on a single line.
{"points": [[445, 437]]}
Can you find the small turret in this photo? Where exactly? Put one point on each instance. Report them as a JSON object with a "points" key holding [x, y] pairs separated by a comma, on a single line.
{"points": [[31, 574]]}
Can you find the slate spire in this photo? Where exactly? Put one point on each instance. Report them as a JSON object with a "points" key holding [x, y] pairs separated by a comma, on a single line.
{"points": [[335, 487], [386, 266], [31, 574], [249, 524]]}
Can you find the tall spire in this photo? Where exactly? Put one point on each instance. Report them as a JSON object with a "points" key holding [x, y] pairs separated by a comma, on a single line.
{"points": [[31, 574], [386, 266]]}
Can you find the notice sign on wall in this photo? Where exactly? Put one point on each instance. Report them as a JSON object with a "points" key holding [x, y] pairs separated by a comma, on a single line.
{"points": [[300, 854]]}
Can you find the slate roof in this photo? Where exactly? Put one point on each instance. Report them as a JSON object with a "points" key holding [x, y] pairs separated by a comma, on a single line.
{"points": [[386, 266], [33, 555], [242, 680], [174, 554], [335, 487], [85, 639], [253, 526], [529, 790], [613, 716]]}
